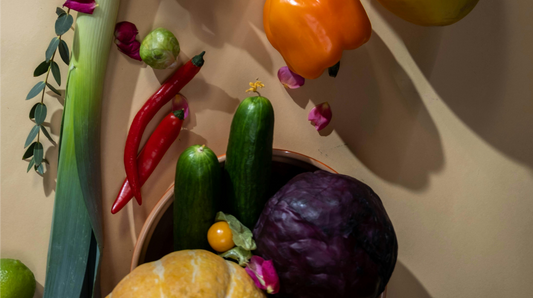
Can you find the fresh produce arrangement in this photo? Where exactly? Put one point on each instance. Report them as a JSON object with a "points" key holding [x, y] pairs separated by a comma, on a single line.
{"points": [[321, 234]]}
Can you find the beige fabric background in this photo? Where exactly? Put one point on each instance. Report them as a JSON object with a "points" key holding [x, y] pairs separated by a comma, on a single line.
{"points": [[438, 121]]}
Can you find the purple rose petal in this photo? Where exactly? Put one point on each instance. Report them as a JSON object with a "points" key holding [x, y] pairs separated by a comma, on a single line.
{"points": [[290, 79], [180, 102], [85, 6], [126, 32], [320, 116], [263, 274], [130, 49]]}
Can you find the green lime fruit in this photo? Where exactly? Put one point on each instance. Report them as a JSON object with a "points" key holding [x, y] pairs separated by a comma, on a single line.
{"points": [[16, 280]]}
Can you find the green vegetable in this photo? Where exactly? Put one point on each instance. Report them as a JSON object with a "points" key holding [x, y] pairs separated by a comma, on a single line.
{"points": [[196, 197], [76, 236], [249, 159], [160, 49]]}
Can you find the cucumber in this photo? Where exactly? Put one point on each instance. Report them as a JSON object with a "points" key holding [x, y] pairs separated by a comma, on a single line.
{"points": [[196, 197], [249, 159]]}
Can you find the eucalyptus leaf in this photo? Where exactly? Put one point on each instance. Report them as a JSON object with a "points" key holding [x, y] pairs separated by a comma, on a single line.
{"points": [[56, 73], [239, 254], [35, 90], [47, 135], [40, 169], [63, 51], [242, 236], [32, 111], [60, 11], [41, 69], [38, 153], [31, 136], [32, 162], [40, 113], [29, 151], [63, 24], [52, 48], [53, 89]]}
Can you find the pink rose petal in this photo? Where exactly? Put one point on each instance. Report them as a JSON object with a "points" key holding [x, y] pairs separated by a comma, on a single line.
{"points": [[126, 32], [290, 79], [85, 6], [130, 49], [320, 116], [263, 274], [180, 102]]}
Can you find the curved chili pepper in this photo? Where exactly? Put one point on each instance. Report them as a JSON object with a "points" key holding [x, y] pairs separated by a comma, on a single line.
{"points": [[161, 139], [169, 89]]}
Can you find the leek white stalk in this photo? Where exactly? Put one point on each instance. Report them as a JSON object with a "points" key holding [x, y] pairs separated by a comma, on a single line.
{"points": [[76, 236]]}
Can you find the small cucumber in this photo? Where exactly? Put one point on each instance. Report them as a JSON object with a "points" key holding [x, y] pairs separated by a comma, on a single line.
{"points": [[196, 197], [249, 158]]}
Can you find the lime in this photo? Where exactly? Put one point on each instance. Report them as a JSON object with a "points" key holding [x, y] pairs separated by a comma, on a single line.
{"points": [[16, 280]]}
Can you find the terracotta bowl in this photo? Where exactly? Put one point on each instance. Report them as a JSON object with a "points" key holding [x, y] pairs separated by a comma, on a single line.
{"points": [[155, 238]]}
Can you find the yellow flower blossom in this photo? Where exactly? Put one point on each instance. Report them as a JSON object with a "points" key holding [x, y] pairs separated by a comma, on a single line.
{"points": [[254, 86]]}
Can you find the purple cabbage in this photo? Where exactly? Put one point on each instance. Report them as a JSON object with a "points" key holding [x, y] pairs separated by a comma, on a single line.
{"points": [[329, 236]]}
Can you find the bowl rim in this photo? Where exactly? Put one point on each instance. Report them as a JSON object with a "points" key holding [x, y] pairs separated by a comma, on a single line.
{"points": [[155, 215]]}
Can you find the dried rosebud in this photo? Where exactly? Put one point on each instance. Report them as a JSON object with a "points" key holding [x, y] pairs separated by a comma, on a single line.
{"points": [[126, 32], [179, 102], [320, 116], [85, 6], [130, 49], [263, 274], [289, 79]]}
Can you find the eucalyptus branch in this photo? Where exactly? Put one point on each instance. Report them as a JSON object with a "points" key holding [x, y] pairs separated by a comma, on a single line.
{"points": [[38, 112]]}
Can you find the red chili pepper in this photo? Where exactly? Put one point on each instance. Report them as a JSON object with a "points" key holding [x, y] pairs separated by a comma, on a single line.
{"points": [[161, 139], [169, 89]]}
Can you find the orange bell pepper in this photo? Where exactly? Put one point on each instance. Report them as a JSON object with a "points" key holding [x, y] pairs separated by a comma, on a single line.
{"points": [[311, 34]]}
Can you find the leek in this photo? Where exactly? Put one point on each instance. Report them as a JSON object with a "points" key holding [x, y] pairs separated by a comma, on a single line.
{"points": [[76, 238]]}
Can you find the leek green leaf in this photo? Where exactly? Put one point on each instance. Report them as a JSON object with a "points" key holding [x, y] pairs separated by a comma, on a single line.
{"points": [[31, 135], [52, 48], [53, 89], [74, 256], [29, 151], [39, 169], [63, 51], [56, 72], [60, 11], [63, 23], [38, 153], [45, 132], [40, 113], [32, 162], [35, 90], [41, 69], [32, 111]]}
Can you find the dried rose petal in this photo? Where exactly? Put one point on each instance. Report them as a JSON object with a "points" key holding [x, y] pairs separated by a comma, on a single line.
{"points": [[290, 79], [320, 116], [180, 102], [130, 49], [263, 274], [85, 6], [126, 32]]}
